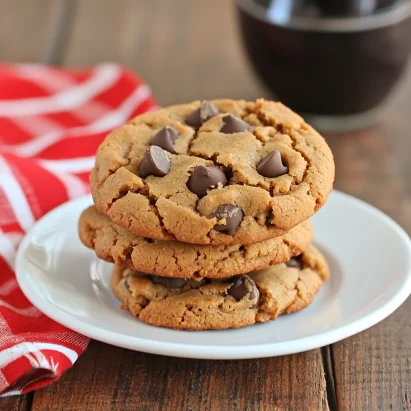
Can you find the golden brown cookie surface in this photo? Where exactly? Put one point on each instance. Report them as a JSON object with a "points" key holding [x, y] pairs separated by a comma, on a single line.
{"points": [[236, 302], [251, 171], [174, 259]]}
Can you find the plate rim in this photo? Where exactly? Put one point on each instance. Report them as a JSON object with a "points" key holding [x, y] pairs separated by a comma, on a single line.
{"points": [[251, 351]]}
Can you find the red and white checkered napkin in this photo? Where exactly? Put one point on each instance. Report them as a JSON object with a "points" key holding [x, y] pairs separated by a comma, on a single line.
{"points": [[51, 122]]}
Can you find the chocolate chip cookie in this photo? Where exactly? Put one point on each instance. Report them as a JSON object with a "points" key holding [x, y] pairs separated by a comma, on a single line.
{"points": [[219, 172], [236, 302], [175, 259]]}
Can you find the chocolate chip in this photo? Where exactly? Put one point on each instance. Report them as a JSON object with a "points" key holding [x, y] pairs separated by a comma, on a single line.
{"points": [[233, 216], [155, 163], [271, 165], [238, 290], [168, 282], [165, 139], [241, 286], [269, 219], [295, 262], [233, 124], [205, 178], [206, 111]]}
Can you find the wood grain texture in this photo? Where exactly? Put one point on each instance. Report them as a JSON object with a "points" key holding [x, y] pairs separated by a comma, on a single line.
{"points": [[185, 50], [17, 403], [115, 379], [63, 18], [25, 29], [372, 370]]}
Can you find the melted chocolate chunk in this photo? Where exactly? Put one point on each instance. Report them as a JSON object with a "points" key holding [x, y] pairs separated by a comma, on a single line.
{"points": [[168, 282], [295, 262], [241, 286]]}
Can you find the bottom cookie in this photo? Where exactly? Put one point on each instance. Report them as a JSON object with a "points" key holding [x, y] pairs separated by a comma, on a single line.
{"points": [[220, 304]]}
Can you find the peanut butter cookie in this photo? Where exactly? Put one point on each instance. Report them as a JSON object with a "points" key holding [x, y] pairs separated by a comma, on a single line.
{"points": [[259, 296], [218, 172], [175, 259]]}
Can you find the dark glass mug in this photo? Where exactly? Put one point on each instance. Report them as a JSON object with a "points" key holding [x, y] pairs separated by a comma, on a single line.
{"points": [[337, 72], [353, 7]]}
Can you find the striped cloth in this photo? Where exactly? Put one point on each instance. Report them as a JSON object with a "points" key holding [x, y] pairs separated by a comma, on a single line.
{"points": [[51, 122]]}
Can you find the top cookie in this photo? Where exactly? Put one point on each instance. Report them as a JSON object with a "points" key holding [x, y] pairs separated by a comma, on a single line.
{"points": [[218, 172]]}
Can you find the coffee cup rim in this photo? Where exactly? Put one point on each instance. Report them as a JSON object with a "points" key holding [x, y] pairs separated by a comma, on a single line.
{"points": [[383, 18]]}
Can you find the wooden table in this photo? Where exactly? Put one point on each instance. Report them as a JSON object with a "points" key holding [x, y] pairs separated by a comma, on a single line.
{"points": [[190, 50]]}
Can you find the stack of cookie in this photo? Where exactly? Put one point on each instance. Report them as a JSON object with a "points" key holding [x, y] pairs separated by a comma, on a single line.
{"points": [[204, 208]]}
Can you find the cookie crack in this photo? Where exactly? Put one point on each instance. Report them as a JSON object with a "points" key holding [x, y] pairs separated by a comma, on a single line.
{"points": [[183, 315], [294, 144], [280, 127], [175, 258], [190, 144], [123, 192], [125, 157], [163, 228]]}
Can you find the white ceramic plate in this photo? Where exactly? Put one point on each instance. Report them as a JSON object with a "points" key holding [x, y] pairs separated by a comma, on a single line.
{"points": [[368, 253]]}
